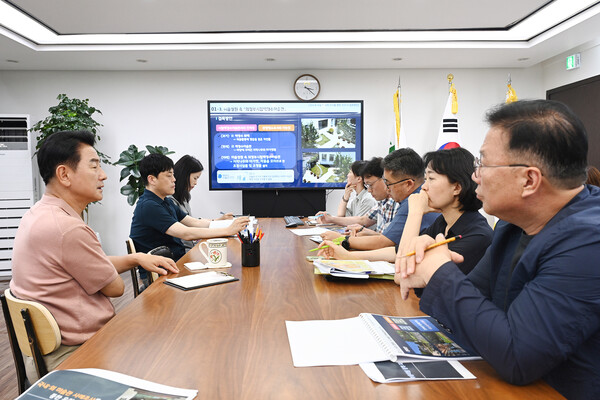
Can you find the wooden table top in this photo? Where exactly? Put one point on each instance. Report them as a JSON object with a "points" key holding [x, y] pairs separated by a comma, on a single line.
{"points": [[229, 341]]}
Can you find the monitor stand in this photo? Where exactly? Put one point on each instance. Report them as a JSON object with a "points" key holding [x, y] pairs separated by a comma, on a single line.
{"points": [[278, 203]]}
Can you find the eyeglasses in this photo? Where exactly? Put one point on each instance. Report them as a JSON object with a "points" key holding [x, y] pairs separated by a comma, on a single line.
{"points": [[368, 185], [478, 165], [395, 183]]}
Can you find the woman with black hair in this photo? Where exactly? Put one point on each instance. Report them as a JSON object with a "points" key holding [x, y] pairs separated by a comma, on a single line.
{"points": [[449, 189], [187, 171]]}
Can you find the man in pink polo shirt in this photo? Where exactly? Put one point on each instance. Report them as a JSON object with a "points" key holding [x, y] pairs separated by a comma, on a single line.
{"points": [[57, 258]]}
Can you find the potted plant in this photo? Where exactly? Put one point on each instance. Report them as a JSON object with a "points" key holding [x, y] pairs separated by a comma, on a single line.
{"points": [[69, 115], [130, 160]]}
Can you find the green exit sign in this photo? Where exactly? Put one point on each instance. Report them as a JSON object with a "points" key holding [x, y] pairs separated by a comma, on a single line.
{"points": [[574, 61]]}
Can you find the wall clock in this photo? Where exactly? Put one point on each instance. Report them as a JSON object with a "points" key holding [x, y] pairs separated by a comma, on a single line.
{"points": [[307, 87]]}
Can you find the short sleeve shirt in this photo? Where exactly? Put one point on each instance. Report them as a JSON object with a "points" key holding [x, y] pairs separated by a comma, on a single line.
{"points": [[360, 204], [152, 218], [59, 262], [185, 207]]}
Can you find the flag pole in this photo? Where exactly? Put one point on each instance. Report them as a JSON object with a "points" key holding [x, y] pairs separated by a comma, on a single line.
{"points": [[395, 139], [449, 136], [397, 110]]}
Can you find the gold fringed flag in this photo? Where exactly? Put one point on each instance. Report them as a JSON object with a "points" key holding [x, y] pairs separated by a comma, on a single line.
{"points": [[397, 138], [511, 95], [449, 136]]}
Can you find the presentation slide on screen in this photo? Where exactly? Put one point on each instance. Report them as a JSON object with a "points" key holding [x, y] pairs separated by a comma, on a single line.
{"points": [[279, 145]]}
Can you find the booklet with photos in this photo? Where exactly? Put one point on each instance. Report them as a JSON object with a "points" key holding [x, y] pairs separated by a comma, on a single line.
{"points": [[371, 338], [91, 383]]}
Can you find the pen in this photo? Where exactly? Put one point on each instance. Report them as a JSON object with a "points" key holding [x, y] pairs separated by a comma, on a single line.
{"points": [[337, 240], [433, 246], [233, 215]]}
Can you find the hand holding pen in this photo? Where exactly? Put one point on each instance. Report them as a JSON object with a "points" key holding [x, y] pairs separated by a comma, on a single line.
{"points": [[434, 245], [323, 217], [226, 215], [338, 240], [329, 249], [408, 276], [239, 224]]}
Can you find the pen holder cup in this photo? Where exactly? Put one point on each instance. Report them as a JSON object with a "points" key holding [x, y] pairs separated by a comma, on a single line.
{"points": [[251, 254]]}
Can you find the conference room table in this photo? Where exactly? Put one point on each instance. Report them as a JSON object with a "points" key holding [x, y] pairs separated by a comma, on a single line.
{"points": [[229, 341]]}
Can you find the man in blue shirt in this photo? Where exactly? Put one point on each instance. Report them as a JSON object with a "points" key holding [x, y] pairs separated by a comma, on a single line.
{"points": [[403, 175], [531, 306], [381, 214], [157, 221]]}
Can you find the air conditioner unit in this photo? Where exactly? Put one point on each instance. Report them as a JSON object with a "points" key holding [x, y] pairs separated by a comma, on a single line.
{"points": [[18, 190]]}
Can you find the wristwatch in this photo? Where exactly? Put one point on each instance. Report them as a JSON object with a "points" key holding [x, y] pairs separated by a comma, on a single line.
{"points": [[346, 243]]}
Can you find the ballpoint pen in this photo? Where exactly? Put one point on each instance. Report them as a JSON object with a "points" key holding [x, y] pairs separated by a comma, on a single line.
{"points": [[233, 215]]}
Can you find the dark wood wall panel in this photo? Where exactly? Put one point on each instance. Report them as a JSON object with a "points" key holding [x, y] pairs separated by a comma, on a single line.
{"points": [[583, 98]]}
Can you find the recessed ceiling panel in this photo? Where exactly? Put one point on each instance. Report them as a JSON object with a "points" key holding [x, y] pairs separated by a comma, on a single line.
{"points": [[193, 16]]}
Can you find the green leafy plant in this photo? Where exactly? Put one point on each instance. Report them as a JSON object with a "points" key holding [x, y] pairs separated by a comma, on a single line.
{"points": [[69, 115], [130, 160]]}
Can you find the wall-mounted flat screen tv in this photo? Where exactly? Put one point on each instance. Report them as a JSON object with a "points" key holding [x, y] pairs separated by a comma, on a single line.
{"points": [[283, 144]]}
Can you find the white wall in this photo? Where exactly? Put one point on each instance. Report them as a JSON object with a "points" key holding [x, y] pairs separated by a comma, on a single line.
{"points": [[554, 69], [169, 108]]}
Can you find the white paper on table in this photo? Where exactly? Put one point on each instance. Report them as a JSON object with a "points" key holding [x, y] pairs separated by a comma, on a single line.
{"points": [[220, 223], [383, 267], [332, 342], [308, 231], [341, 274], [316, 238], [195, 266], [376, 268]]}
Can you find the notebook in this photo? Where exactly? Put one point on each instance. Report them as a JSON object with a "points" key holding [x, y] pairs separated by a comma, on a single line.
{"points": [[204, 279]]}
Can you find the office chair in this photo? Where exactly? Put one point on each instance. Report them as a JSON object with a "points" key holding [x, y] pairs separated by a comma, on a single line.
{"points": [[32, 331], [134, 277], [152, 276]]}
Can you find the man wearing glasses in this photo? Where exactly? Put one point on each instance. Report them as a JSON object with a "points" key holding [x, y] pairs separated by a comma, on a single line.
{"points": [[403, 175], [380, 215], [531, 306]]}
